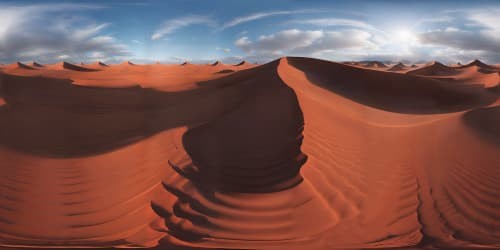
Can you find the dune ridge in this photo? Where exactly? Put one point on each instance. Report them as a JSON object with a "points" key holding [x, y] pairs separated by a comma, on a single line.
{"points": [[70, 66], [216, 63], [24, 66], [241, 63], [398, 67], [434, 69], [35, 64]]}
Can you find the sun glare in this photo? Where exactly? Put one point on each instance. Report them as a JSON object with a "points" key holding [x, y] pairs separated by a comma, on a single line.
{"points": [[404, 36]]}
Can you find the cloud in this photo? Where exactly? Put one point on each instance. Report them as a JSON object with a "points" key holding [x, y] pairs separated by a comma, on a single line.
{"points": [[46, 32], [305, 42], [467, 40], [172, 25], [226, 50], [475, 34], [328, 22], [255, 16]]}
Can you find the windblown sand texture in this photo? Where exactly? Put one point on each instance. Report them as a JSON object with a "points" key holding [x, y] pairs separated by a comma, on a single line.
{"points": [[295, 153]]}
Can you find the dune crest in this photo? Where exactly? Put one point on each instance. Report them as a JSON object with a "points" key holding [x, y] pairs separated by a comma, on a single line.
{"points": [[433, 69], [375, 64], [35, 64], [24, 66], [398, 67], [70, 66], [477, 63], [241, 63]]}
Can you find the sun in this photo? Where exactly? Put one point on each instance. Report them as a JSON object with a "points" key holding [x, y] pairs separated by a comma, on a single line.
{"points": [[404, 36]]}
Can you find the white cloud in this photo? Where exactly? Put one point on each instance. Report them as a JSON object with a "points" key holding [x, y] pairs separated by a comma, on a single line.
{"points": [[478, 38], [327, 22], [226, 50], [46, 32], [455, 36], [172, 25], [305, 42], [255, 16]]}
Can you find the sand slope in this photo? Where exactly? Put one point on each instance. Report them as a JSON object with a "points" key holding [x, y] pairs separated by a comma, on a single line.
{"points": [[296, 153]]}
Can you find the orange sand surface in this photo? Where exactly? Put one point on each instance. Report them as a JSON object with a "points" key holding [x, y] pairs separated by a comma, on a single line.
{"points": [[295, 153]]}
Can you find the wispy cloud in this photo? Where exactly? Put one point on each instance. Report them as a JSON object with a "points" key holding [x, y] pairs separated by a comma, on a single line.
{"points": [[255, 16], [172, 25], [330, 22], [227, 50]]}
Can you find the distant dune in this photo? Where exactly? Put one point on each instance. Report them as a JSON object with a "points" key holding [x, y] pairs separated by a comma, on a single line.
{"points": [[397, 67], [35, 64], [24, 66], [375, 64], [434, 69], [242, 63], [297, 153]]}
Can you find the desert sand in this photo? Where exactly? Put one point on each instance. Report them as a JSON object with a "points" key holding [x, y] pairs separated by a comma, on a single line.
{"points": [[296, 153]]}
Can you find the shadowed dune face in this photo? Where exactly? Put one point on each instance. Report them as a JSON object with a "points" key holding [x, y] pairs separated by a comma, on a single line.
{"points": [[296, 153], [407, 94], [70, 66], [434, 69], [54, 117], [486, 122], [256, 146]]}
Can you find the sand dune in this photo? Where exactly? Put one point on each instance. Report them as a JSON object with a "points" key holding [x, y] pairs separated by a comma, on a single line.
{"points": [[97, 64], [477, 63], [23, 66], [397, 67], [241, 63], [373, 64], [216, 63], [35, 64], [434, 69], [296, 153], [71, 66]]}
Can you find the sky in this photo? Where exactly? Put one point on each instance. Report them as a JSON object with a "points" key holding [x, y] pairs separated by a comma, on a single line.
{"points": [[256, 31]]}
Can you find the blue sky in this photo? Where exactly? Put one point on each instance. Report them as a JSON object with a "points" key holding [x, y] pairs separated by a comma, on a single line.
{"points": [[201, 31]]}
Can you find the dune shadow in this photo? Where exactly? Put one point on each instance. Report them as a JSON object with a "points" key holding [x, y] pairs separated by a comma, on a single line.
{"points": [[485, 122], [254, 147], [54, 117], [393, 92]]}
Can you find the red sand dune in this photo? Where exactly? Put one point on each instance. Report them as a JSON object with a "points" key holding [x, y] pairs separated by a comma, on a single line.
{"points": [[295, 153], [71, 66], [216, 63], [373, 64], [434, 69], [397, 67], [24, 66], [478, 63], [97, 64], [35, 64], [241, 63]]}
